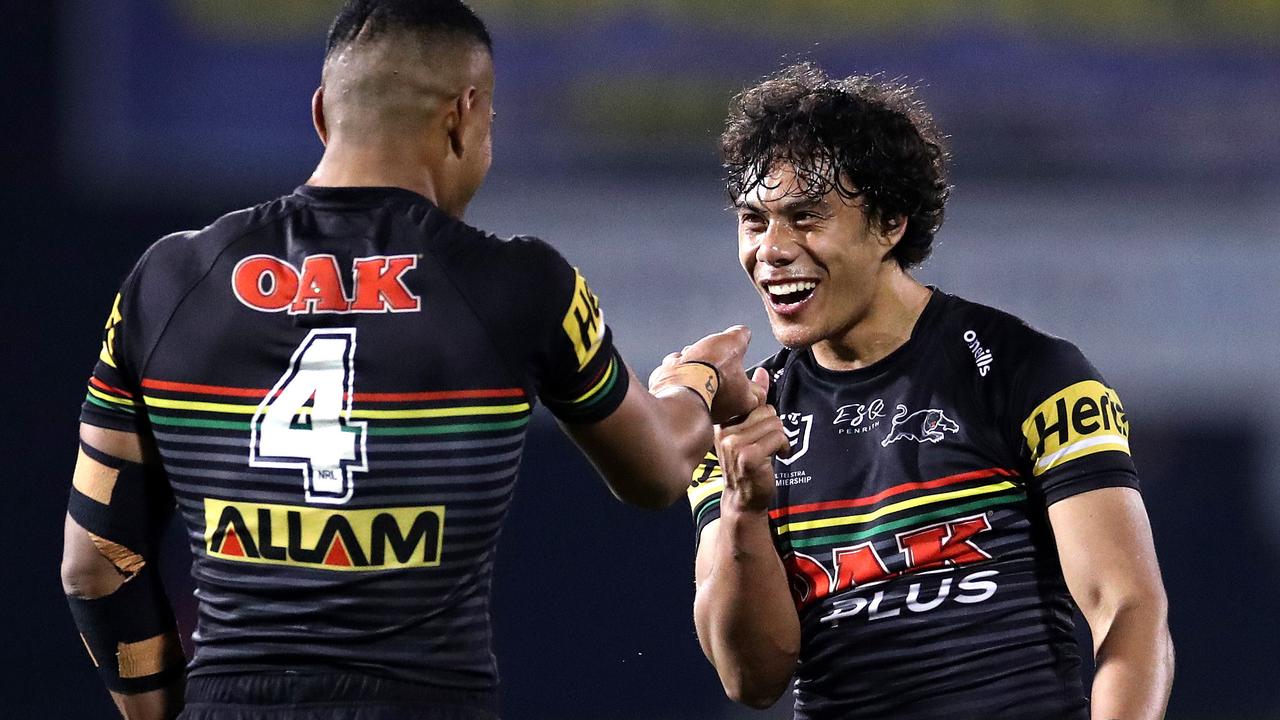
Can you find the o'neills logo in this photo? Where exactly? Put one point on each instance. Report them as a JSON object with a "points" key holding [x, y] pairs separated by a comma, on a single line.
{"points": [[982, 357], [269, 284], [373, 539]]}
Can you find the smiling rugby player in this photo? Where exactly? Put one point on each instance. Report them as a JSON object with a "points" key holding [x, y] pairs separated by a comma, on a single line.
{"points": [[934, 487]]}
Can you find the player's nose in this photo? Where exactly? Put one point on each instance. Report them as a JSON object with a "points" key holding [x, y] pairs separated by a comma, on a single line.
{"points": [[776, 249]]}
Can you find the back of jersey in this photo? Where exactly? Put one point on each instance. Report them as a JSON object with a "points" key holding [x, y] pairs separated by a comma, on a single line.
{"points": [[339, 383]]}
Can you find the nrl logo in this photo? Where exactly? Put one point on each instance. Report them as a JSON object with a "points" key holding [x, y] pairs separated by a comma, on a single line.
{"points": [[922, 426], [796, 427]]}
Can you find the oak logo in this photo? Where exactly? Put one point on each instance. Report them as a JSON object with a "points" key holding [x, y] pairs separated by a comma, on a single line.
{"points": [[1079, 420], [268, 284], [372, 539], [944, 544]]}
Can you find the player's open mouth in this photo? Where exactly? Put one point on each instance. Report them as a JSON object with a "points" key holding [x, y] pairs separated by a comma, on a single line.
{"points": [[788, 297]]}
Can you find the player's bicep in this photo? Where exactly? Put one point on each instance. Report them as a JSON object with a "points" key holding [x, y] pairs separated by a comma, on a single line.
{"points": [[707, 538], [1106, 549], [127, 445]]}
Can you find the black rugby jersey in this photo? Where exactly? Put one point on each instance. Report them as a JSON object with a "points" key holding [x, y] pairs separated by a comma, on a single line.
{"points": [[339, 384], [912, 517]]}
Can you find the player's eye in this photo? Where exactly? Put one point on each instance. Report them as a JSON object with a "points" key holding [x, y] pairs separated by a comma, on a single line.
{"points": [[751, 221]]}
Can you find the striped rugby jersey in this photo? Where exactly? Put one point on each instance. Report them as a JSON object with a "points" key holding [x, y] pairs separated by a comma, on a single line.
{"points": [[912, 517], [339, 384]]}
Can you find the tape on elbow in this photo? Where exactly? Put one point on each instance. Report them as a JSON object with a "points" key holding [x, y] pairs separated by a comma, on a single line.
{"points": [[131, 635], [119, 503]]}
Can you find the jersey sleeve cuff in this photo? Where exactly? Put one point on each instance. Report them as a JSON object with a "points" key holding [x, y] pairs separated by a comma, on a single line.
{"points": [[599, 398], [704, 494], [111, 419], [1083, 483]]}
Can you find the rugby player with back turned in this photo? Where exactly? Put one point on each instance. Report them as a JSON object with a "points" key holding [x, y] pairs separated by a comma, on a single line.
{"points": [[932, 488], [334, 387]]}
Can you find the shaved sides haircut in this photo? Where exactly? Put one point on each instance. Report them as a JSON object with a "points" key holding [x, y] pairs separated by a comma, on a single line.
{"points": [[390, 62], [363, 20]]}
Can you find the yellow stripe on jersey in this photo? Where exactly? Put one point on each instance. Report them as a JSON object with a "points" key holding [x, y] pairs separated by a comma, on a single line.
{"points": [[604, 378], [895, 507], [1079, 420], [584, 322], [113, 399]]}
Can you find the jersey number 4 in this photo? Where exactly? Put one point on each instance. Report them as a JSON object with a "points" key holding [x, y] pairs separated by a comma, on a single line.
{"points": [[305, 421]]}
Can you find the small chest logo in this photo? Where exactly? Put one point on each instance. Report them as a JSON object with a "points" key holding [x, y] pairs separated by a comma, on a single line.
{"points": [[922, 426], [268, 284], [982, 357], [858, 418], [797, 428]]}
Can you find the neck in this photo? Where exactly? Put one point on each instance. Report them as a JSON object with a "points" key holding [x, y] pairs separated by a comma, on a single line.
{"points": [[373, 165], [885, 325]]}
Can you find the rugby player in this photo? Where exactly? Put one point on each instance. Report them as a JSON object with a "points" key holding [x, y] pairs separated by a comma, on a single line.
{"points": [[334, 388], [933, 486]]}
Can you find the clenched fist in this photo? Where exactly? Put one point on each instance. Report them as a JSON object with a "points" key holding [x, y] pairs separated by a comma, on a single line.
{"points": [[746, 451]]}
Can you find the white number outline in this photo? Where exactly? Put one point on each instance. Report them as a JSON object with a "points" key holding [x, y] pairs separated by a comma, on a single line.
{"points": [[349, 467]]}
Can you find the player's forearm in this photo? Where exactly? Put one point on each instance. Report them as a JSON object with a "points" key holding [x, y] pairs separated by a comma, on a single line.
{"points": [[746, 621], [1134, 659], [673, 439], [162, 704], [87, 575], [648, 448]]}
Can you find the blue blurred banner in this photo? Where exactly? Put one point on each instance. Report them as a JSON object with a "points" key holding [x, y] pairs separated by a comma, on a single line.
{"points": [[179, 97]]}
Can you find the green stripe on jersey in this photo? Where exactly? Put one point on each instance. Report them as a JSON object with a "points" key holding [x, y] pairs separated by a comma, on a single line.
{"points": [[907, 521], [108, 406]]}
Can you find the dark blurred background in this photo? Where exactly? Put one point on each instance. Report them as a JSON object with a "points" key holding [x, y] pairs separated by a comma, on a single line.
{"points": [[1116, 168]]}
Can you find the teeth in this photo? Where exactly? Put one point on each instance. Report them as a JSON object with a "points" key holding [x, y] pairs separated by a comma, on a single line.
{"points": [[788, 288]]}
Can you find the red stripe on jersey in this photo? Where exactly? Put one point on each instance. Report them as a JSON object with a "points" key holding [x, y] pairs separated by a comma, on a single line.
{"points": [[170, 386], [151, 384], [895, 490], [93, 380]]}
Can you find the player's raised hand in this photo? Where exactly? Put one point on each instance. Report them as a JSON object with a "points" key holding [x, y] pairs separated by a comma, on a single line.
{"points": [[725, 350], [746, 451]]}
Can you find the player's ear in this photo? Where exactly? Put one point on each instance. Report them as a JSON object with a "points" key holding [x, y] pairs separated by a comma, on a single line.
{"points": [[458, 121], [317, 115], [889, 232]]}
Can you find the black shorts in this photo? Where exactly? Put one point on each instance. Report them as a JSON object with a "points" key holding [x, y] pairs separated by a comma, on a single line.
{"points": [[296, 696]]}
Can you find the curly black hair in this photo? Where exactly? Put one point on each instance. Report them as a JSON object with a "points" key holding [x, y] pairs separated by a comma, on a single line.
{"points": [[862, 136]]}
